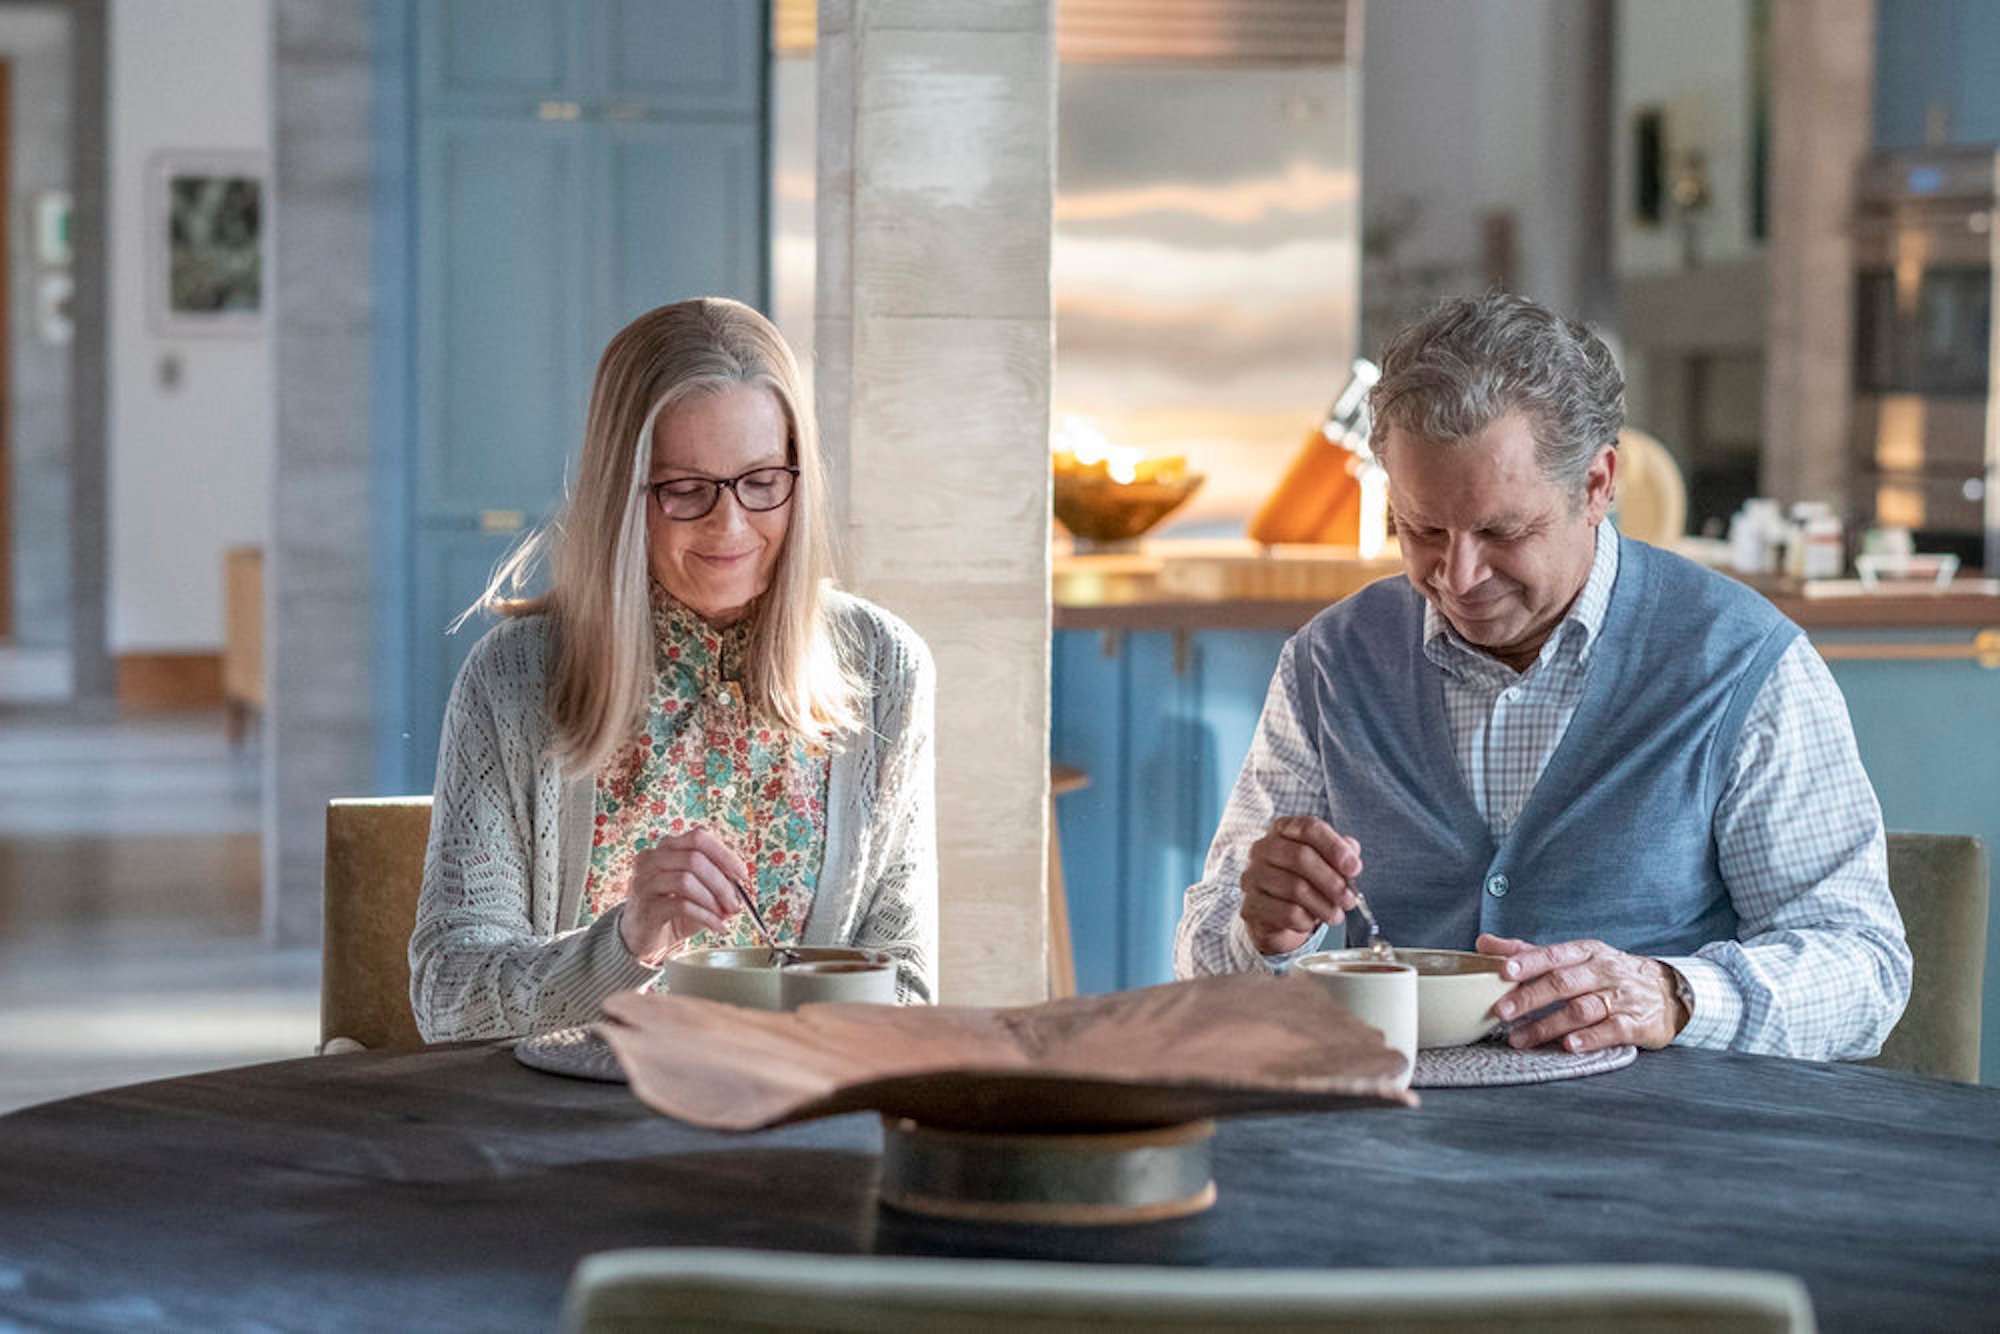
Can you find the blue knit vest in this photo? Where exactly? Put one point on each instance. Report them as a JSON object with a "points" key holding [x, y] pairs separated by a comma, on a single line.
{"points": [[1616, 841]]}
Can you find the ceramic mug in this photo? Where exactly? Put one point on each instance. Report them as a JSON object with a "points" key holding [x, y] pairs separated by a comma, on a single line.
{"points": [[867, 980], [1382, 995]]}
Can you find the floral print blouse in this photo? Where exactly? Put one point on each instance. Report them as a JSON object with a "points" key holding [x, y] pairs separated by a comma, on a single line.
{"points": [[700, 760]]}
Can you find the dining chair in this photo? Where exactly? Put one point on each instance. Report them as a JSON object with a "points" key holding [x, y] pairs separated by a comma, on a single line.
{"points": [[699, 1289], [1652, 495], [1941, 888], [374, 868]]}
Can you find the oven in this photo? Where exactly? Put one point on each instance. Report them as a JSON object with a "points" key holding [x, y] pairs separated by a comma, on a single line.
{"points": [[1926, 443]]}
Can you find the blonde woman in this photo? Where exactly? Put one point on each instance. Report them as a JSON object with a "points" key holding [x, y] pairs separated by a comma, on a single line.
{"points": [[691, 713]]}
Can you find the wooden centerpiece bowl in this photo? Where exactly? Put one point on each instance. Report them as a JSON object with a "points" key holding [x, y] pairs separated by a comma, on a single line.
{"points": [[1102, 512]]}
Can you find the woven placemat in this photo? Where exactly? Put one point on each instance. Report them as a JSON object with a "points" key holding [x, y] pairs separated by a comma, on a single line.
{"points": [[576, 1052], [1494, 1062]]}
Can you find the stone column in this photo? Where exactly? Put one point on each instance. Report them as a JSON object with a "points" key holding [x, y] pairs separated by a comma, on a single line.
{"points": [[936, 183], [1822, 70], [318, 609]]}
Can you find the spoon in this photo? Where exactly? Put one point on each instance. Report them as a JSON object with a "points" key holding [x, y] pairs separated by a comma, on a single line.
{"points": [[1378, 948], [783, 954]]}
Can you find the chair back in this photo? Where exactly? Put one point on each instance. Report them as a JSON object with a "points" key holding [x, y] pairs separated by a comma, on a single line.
{"points": [[374, 868], [1652, 494], [701, 1289], [1940, 885]]}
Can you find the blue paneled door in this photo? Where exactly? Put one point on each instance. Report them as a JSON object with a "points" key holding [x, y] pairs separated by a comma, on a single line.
{"points": [[658, 230], [1934, 62], [577, 162]]}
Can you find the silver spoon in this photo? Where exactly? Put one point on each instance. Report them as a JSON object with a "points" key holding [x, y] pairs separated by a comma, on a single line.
{"points": [[783, 954], [1378, 948]]}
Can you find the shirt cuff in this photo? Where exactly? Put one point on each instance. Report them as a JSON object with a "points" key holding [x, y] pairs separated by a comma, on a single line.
{"points": [[1718, 1006], [627, 968], [1244, 956]]}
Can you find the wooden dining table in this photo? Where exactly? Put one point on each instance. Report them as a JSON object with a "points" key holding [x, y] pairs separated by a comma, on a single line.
{"points": [[453, 1188]]}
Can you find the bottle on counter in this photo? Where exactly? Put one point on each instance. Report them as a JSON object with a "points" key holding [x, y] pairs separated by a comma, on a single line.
{"points": [[1825, 543], [1815, 542], [1757, 537], [1794, 564]]}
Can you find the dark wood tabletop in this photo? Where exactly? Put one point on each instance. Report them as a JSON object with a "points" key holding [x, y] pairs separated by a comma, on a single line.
{"points": [[454, 1188]]}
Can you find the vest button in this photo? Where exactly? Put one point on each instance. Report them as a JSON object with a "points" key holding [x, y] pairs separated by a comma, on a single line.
{"points": [[1496, 885]]}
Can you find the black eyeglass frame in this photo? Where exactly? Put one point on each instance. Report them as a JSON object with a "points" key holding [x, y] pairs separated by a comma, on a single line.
{"points": [[717, 485]]}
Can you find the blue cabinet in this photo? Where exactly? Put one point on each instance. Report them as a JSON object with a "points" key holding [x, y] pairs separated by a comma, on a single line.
{"points": [[1934, 62], [1161, 721], [1929, 735], [570, 164]]}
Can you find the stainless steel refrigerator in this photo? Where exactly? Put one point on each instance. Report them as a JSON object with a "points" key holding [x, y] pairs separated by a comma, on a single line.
{"points": [[1206, 265]]}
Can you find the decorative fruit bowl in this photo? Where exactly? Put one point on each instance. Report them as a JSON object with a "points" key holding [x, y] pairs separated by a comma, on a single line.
{"points": [[1102, 511]]}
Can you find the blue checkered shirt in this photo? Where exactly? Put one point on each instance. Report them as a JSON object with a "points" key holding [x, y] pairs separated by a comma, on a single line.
{"points": [[1820, 968]]}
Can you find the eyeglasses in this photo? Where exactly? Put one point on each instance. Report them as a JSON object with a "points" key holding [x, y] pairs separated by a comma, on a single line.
{"points": [[758, 490]]}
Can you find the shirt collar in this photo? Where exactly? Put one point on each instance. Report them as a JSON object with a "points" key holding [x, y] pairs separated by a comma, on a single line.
{"points": [[683, 639], [1445, 647], [1595, 599]]}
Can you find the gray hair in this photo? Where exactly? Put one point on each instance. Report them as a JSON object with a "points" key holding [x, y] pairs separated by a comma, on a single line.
{"points": [[1468, 361]]}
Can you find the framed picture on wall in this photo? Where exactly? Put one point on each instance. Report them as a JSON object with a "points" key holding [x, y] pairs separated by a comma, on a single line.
{"points": [[207, 227]]}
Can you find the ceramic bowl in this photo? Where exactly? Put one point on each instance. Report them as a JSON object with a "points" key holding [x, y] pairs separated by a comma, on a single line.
{"points": [[1455, 992], [853, 981], [745, 976]]}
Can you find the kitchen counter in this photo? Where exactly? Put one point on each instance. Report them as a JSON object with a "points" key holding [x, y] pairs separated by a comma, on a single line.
{"points": [[1220, 584], [1240, 585]]}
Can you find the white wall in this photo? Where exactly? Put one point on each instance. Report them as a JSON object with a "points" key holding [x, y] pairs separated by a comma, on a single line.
{"points": [[1690, 59], [188, 466]]}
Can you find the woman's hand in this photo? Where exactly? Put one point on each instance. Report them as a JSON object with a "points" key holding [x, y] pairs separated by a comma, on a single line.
{"points": [[684, 884], [1300, 874]]}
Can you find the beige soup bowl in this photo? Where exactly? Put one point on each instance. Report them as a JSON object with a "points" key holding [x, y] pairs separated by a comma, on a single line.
{"points": [[1455, 992], [746, 976]]}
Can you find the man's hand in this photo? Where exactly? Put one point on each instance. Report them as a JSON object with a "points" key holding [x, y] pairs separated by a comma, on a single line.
{"points": [[1607, 998], [1300, 874]]}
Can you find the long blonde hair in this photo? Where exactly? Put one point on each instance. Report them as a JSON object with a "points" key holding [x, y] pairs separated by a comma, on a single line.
{"points": [[598, 602]]}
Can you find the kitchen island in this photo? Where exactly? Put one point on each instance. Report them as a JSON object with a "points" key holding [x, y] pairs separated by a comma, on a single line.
{"points": [[1163, 656]]}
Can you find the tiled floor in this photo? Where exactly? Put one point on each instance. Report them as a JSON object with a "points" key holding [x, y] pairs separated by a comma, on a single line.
{"points": [[129, 907]]}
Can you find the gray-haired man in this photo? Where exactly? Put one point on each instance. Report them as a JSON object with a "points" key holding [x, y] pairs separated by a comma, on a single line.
{"points": [[1631, 775]]}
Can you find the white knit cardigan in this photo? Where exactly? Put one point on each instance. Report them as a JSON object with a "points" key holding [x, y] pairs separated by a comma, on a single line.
{"points": [[494, 953]]}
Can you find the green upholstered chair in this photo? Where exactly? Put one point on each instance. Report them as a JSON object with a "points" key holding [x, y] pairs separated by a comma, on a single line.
{"points": [[698, 1289], [374, 868], [1940, 885]]}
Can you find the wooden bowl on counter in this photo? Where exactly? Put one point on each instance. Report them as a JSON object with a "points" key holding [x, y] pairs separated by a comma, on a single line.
{"points": [[1105, 513]]}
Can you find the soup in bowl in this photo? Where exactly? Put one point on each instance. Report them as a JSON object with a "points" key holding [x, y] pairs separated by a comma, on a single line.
{"points": [[747, 976], [1456, 990]]}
